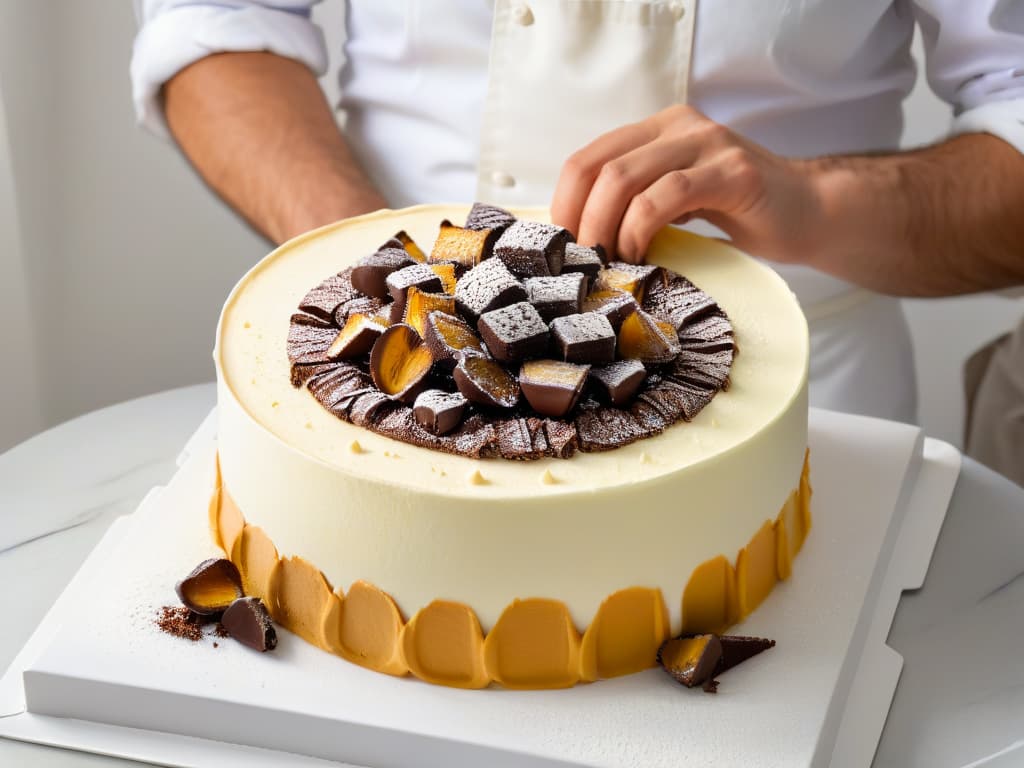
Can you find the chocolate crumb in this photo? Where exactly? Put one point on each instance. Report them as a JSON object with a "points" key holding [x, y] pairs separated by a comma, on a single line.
{"points": [[180, 622]]}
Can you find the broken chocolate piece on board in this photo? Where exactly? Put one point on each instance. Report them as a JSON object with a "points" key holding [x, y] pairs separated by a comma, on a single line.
{"points": [[556, 296], [614, 304], [467, 247], [400, 362], [484, 216], [584, 338], [532, 249], [619, 381], [211, 587], [691, 660], [370, 273], [552, 387], [325, 298], [580, 258], [485, 287], [248, 622], [736, 649], [439, 412], [448, 337], [485, 382], [514, 333]]}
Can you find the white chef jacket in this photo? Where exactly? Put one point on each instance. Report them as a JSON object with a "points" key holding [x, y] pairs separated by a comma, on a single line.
{"points": [[456, 100]]}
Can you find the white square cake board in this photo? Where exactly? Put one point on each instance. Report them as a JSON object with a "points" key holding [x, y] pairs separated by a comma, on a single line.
{"points": [[97, 676]]}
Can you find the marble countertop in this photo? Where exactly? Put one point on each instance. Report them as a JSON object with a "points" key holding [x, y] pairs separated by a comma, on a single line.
{"points": [[960, 701]]}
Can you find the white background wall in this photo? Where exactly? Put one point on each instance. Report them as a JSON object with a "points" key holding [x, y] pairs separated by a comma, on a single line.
{"points": [[114, 259]]}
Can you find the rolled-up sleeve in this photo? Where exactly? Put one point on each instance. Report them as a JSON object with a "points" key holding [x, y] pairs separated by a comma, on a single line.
{"points": [[975, 61], [175, 33]]}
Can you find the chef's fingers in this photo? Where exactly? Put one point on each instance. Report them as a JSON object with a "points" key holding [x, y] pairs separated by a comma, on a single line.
{"points": [[625, 176], [676, 194], [582, 167]]}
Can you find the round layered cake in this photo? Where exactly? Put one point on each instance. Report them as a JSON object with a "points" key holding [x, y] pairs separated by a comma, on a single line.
{"points": [[462, 566]]}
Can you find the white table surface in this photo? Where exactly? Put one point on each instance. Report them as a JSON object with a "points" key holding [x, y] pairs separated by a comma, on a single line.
{"points": [[960, 701]]}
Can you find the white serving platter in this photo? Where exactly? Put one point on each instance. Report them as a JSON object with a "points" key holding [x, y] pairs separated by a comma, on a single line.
{"points": [[97, 676]]}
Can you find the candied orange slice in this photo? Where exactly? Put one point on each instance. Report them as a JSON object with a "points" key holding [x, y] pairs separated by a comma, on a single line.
{"points": [[631, 278], [641, 338], [467, 247], [486, 382], [400, 362], [446, 271], [356, 338], [419, 304], [449, 336], [415, 252]]}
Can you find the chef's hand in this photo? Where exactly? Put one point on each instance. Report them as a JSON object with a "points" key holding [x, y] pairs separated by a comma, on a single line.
{"points": [[624, 186]]}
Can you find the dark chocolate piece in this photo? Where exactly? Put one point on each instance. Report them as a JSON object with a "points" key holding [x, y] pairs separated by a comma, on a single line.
{"points": [[614, 304], [601, 429], [448, 337], [631, 278], [325, 298], [248, 622], [308, 344], [584, 338], [552, 387], [675, 400], [420, 276], [556, 296], [341, 381], [711, 330], [620, 381], [517, 439], [691, 660], [514, 333], [439, 412], [736, 649], [356, 339], [300, 374], [677, 300], [642, 338], [301, 318], [485, 382], [369, 407], [532, 249], [370, 273], [467, 247], [484, 216], [486, 287], [651, 420], [211, 587], [580, 258], [704, 369], [561, 438]]}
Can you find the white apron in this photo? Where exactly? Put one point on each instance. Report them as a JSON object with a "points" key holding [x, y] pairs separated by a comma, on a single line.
{"points": [[564, 71]]}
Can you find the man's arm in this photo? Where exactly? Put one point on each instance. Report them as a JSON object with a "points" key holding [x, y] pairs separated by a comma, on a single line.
{"points": [[260, 132], [943, 220]]}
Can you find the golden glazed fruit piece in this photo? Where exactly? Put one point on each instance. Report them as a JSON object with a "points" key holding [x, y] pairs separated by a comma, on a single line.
{"points": [[485, 382], [467, 247], [419, 304], [400, 362], [449, 337], [356, 338], [641, 338], [414, 251]]}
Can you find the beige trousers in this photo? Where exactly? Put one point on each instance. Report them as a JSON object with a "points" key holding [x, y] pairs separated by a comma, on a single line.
{"points": [[994, 385]]}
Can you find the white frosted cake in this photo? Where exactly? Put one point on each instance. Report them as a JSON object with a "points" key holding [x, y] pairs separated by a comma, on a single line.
{"points": [[567, 567]]}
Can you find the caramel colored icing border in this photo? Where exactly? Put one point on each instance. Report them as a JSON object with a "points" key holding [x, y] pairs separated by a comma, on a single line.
{"points": [[534, 644]]}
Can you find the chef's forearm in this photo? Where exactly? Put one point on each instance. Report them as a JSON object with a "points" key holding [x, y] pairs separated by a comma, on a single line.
{"points": [[260, 132], [943, 220]]}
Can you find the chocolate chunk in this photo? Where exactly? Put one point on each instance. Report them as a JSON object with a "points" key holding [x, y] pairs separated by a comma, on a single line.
{"points": [[309, 343], [678, 300], [355, 339], [211, 587], [736, 649], [467, 247], [580, 258], [711, 330], [552, 387], [485, 382], [420, 276], [556, 296], [561, 437], [486, 287], [449, 337], [642, 338], [620, 381], [601, 429], [361, 305], [300, 374], [439, 412], [370, 407], [400, 362], [248, 622], [631, 278], [341, 381], [516, 440], [484, 216], [301, 318], [514, 333], [614, 304], [325, 298], [370, 273], [584, 338], [651, 420], [475, 438], [532, 249], [691, 660], [709, 370], [676, 400]]}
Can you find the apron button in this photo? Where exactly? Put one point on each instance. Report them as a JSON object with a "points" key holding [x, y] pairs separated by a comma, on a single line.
{"points": [[502, 179], [678, 10], [522, 15]]}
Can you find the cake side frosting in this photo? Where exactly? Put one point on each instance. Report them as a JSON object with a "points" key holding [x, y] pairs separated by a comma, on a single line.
{"points": [[424, 526]]}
